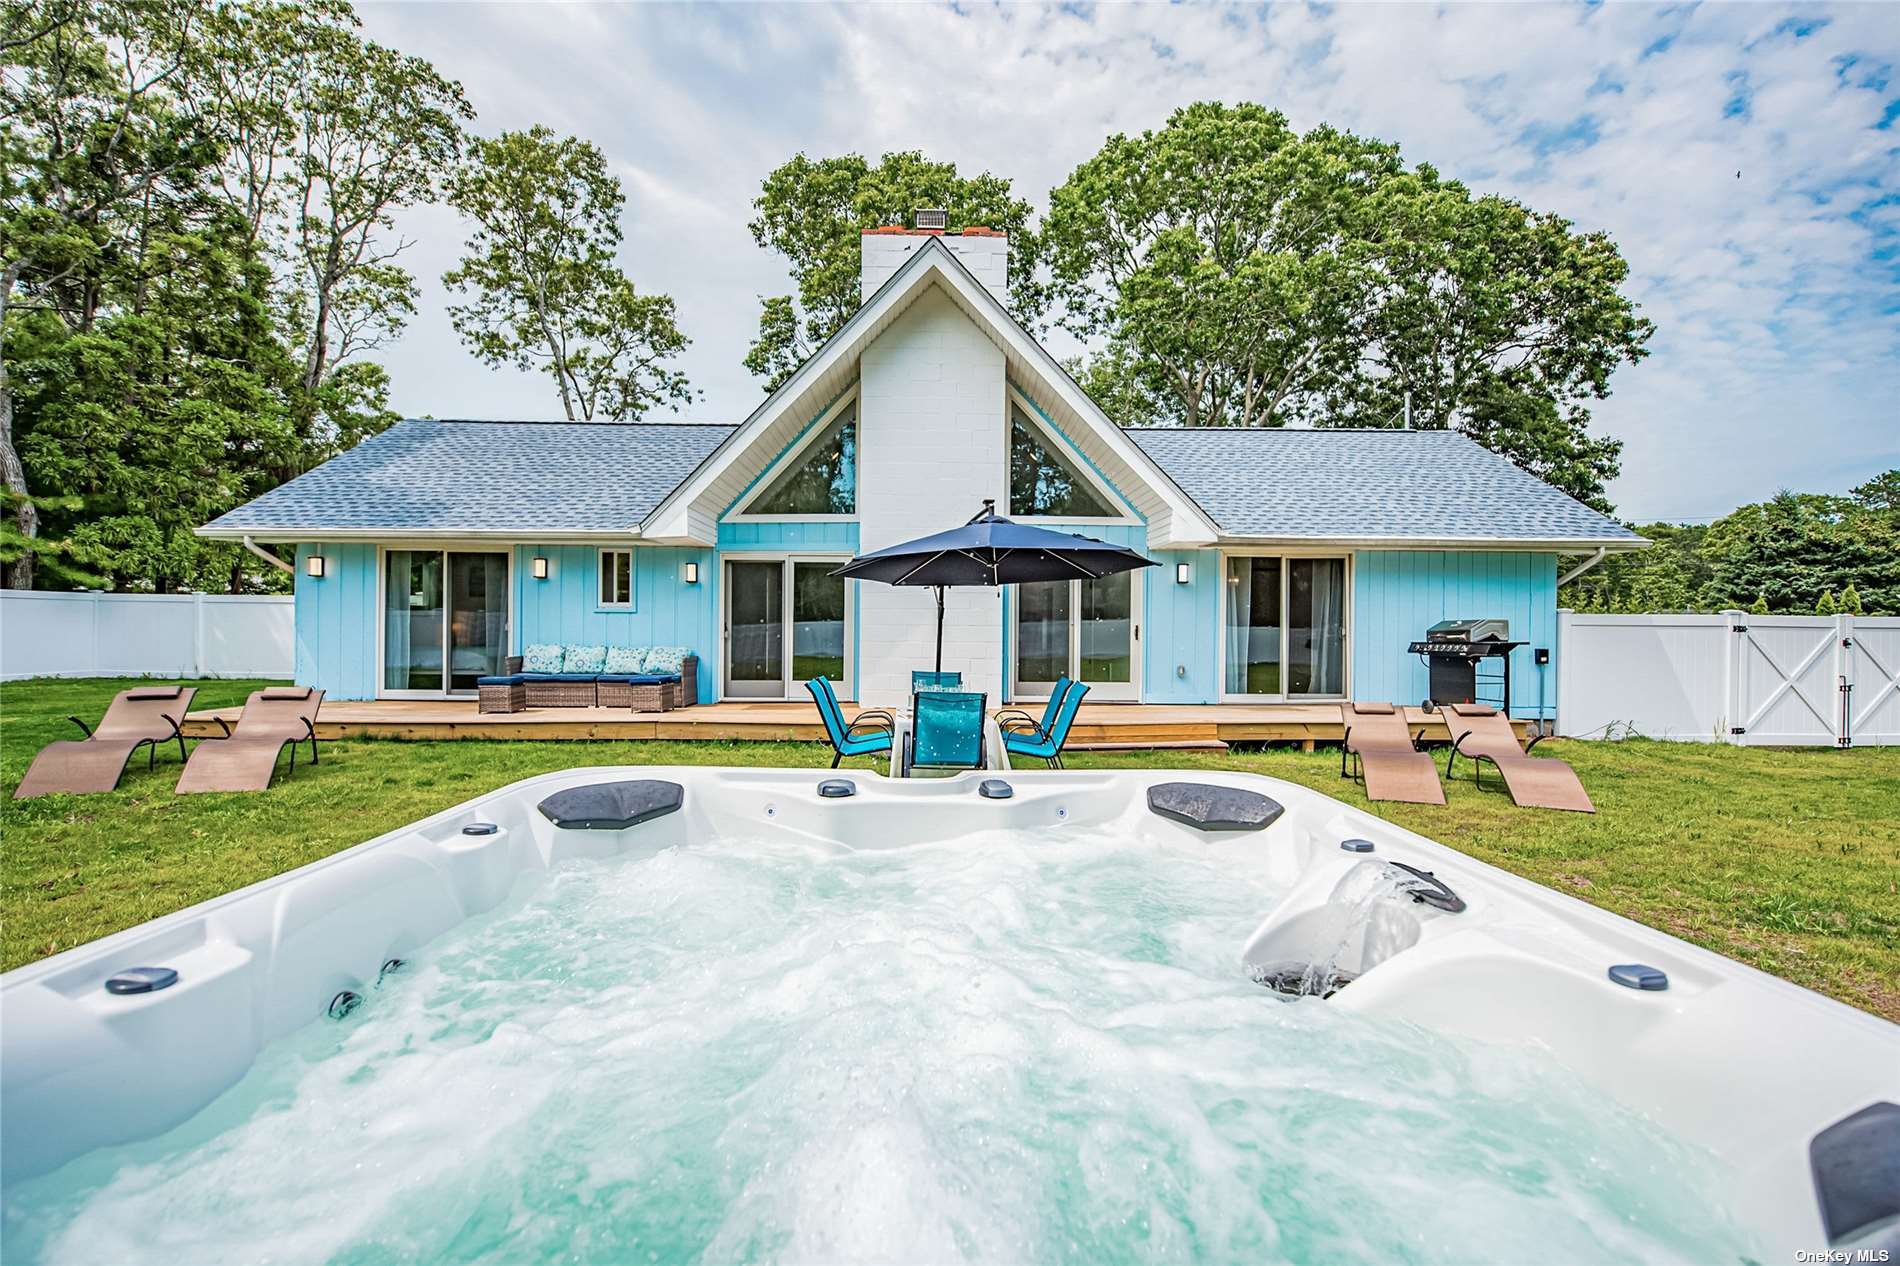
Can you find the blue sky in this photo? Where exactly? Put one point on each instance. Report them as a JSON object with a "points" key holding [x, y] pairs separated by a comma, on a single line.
{"points": [[1745, 157]]}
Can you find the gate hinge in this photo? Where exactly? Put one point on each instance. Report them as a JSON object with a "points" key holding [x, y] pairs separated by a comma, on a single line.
{"points": [[1738, 729], [1739, 628], [1847, 643]]}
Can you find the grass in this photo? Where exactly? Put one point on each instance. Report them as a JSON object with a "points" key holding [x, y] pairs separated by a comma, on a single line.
{"points": [[1787, 860]]}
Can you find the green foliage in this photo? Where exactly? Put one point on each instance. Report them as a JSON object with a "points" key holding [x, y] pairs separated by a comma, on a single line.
{"points": [[544, 291], [813, 211], [1795, 553], [1240, 274]]}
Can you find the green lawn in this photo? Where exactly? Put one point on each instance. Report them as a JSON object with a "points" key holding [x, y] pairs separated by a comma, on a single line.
{"points": [[1789, 860]]}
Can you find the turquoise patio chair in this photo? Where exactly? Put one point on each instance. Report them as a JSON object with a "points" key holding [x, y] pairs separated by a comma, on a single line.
{"points": [[867, 735], [921, 681], [1016, 719], [946, 731], [1045, 743]]}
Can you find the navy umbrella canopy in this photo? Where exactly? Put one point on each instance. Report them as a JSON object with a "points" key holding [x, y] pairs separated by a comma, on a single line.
{"points": [[990, 550]]}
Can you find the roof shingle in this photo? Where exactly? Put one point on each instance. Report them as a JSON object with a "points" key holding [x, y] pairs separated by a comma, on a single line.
{"points": [[483, 477], [1364, 484]]}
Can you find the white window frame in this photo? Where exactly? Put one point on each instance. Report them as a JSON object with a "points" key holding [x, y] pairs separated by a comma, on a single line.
{"points": [[445, 548], [1014, 398], [1220, 625], [601, 601], [743, 513], [1099, 692], [845, 689]]}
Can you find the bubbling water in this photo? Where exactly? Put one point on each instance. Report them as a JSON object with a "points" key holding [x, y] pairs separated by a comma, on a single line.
{"points": [[1020, 1048]]}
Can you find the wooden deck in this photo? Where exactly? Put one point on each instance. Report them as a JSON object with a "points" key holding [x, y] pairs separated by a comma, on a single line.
{"points": [[1100, 726]]}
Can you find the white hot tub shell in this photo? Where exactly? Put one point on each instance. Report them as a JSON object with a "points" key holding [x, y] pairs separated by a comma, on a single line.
{"points": [[1737, 1062]]}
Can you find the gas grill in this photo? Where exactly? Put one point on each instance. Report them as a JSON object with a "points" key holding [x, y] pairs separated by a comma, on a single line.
{"points": [[1453, 649]]}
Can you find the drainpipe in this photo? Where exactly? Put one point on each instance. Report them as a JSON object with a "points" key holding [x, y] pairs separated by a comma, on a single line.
{"points": [[1583, 567], [267, 556]]}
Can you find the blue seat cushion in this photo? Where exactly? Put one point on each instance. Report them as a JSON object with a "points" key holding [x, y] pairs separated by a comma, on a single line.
{"points": [[514, 680], [636, 679], [560, 676]]}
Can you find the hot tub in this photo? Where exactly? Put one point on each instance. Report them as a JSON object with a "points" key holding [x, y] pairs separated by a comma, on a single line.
{"points": [[738, 1014]]}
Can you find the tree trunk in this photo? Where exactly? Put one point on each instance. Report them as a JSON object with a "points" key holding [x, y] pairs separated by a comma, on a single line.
{"points": [[20, 571]]}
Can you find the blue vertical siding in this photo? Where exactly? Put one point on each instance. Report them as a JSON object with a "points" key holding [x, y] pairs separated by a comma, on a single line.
{"points": [[336, 621], [833, 536], [1397, 594], [1180, 630], [666, 611]]}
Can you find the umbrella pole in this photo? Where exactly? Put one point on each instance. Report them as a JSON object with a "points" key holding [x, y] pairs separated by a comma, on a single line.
{"points": [[939, 589]]}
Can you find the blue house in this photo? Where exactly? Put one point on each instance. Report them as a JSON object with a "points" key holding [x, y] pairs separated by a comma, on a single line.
{"points": [[1295, 564]]}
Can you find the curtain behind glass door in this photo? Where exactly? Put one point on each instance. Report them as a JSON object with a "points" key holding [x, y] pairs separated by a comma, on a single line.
{"points": [[1253, 626], [478, 617], [412, 620], [1316, 626]]}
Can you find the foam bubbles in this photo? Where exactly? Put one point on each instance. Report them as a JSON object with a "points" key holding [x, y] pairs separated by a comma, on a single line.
{"points": [[1013, 1048]]}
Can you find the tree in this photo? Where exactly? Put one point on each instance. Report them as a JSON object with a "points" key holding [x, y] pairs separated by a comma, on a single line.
{"points": [[1526, 425], [1226, 259], [544, 289], [812, 212]]}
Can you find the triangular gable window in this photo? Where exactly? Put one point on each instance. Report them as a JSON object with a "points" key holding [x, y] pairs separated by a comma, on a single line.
{"points": [[824, 480], [1042, 481]]}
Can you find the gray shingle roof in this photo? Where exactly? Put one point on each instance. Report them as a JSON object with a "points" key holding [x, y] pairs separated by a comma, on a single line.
{"points": [[1426, 485], [527, 477]]}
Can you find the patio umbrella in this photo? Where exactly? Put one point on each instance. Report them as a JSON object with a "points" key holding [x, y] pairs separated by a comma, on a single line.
{"points": [[989, 551]]}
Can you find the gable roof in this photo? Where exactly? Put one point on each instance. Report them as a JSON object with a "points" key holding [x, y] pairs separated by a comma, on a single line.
{"points": [[691, 511], [462, 478], [1370, 485]]}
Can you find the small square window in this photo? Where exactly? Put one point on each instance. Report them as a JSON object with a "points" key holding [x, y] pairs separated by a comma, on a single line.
{"points": [[616, 578]]}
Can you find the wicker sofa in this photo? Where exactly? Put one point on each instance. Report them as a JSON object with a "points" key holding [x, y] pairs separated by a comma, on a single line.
{"points": [[516, 690]]}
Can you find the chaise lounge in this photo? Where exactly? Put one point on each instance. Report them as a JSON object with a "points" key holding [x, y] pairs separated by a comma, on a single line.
{"points": [[1385, 756], [1484, 734], [246, 757], [548, 675], [137, 717]]}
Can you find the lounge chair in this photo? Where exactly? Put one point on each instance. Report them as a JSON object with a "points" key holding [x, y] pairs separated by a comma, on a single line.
{"points": [[246, 757], [946, 730], [866, 735], [920, 681], [1044, 741], [1385, 755], [1484, 734], [137, 717]]}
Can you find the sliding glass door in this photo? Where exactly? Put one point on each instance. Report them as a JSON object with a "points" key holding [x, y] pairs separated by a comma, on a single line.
{"points": [[785, 624], [1087, 630], [1283, 632], [445, 620]]}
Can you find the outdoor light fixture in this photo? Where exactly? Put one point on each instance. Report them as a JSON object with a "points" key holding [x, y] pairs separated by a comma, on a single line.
{"points": [[692, 573], [539, 567], [1183, 572], [313, 566]]}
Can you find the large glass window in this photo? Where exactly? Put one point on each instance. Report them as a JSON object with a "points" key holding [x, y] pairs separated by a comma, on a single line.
{"points": [[412, 620], [817, 622], [1284, 631], [445, 619], [824, 478], [785, 624], [1043, 481]]}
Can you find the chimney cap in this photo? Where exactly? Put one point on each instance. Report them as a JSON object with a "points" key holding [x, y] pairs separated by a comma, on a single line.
{"points": [[930, 218]]}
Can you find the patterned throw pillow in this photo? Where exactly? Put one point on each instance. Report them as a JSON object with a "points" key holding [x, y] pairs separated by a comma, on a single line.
{"points": [[544, 657], [624, 660], [583, 659], [666, 660]]}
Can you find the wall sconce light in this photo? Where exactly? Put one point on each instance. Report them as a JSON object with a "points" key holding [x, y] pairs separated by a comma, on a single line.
{"points": [[692, 573], [1183, 573], [313, 567], [539, 567]]}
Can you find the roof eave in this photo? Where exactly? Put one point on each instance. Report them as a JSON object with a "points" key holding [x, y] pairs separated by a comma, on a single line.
{"points": [[1529, 545], [291, 535]]}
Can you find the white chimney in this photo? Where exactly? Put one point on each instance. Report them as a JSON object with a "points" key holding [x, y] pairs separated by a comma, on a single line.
{"points": [[984, 251]]}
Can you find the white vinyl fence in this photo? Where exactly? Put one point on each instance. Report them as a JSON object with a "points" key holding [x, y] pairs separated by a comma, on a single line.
{"points": [[1767, 680], [143, 635]]}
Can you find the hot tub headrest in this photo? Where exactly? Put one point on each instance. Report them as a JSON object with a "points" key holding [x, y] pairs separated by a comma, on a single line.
{"points": [[611, 806], [1856, 1163], [1206, 807]]}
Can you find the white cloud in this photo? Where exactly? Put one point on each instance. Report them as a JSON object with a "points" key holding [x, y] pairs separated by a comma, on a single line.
{"points": [[1776, 294]]}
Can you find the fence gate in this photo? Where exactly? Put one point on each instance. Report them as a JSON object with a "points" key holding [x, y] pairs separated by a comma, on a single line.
{"points": [[1873, 680], [1802, 680]]}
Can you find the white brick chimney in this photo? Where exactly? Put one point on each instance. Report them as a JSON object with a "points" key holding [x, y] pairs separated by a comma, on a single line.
{"points": [[985, 252]]}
